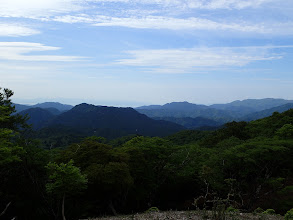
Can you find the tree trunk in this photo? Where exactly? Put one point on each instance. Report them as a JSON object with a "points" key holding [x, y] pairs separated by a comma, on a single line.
{"points": [[63, 215], [112, 207]]}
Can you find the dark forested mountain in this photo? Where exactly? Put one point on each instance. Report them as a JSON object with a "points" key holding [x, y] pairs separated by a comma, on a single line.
{"points": [[38, 117], [267, 112], [112, 122], [185, 109], [193, 123], [54, 111]]}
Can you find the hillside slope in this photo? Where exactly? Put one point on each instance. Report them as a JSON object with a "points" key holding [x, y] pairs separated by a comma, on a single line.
{"points": [[38, 117], [193, 123], [112, 122], [185, 109], [267, 112], [248, 106]]}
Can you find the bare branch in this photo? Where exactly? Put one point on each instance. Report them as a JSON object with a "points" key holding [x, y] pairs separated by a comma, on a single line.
{"points": [[2, 213]]}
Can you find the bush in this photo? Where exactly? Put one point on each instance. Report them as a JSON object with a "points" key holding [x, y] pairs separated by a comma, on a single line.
{"points": [[289, 215], [152, 209], [231, 209], [258, 210], [269, 212]]}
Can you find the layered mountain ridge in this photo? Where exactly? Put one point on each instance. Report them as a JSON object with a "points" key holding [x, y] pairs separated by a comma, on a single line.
{"points": [[154, 120], [101, 121]]}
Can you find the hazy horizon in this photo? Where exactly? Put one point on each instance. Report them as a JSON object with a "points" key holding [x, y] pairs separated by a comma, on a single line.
{"points": [[117, 104]]}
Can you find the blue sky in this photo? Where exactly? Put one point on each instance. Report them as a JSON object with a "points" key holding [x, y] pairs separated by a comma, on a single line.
{"points": [[138, 52]]}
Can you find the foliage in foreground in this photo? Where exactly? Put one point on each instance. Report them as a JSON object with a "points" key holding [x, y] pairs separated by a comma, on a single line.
{"points": [[289, 215]]}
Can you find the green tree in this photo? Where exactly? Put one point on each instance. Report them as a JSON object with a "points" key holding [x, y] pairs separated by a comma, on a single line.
{"points": [[106, 168], [10, 151], [159, 167], [65, 179], [9, 120], [285, 132], [22, 166], [9, 125]]}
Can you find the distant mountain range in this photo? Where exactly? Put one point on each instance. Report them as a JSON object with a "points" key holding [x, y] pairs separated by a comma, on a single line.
{"points": [[46, 105], [251, 105], [109, 122], [267, 112], [187, 110], [191, 115], [199, 123], [153, 120]]}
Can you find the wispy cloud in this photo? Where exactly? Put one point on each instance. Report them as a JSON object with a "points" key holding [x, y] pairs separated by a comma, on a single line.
{"points": [[141, 14], [226, 4], [160, 22], [190, 60], [20, 51], [38, 8], [16, 30], [143, 21], [201, 4], [45, 8]]}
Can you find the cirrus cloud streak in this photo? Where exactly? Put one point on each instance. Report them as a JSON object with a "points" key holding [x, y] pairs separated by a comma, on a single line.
{"points": [[43, 8], [19, 51], [16, 30], [160, 22], [190, 60]]}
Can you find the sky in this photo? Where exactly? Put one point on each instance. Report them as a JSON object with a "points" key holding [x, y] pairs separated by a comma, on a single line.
{"points": [[141, 52]]}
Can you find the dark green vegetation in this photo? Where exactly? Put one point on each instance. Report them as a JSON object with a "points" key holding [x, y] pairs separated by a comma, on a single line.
{"points": [[240, 166], [193, 123]]}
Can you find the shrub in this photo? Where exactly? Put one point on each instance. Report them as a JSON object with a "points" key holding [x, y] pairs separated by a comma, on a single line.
{"points": [[258, 210], [152, 209], [269, 212], [231, 209], [289, 215], [218, 212]]}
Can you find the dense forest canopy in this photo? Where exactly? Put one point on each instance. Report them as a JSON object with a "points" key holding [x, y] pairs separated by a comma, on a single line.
{"points": [[245, 165]]}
